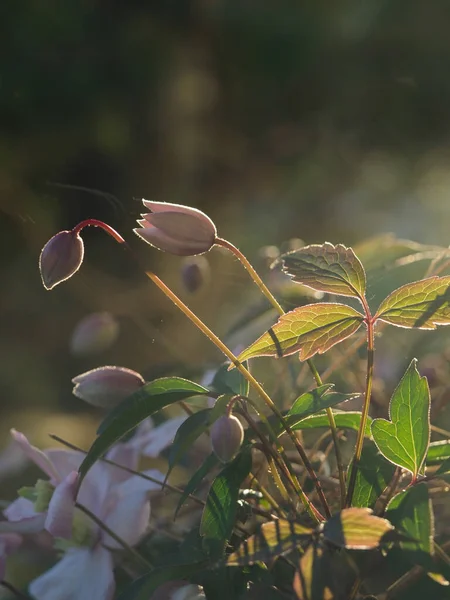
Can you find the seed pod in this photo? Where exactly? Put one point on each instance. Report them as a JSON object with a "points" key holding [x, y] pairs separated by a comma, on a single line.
{"points": [[105, 387], [177, 229], [94, 333], [194, 273], [60, 258], [227, 435]]}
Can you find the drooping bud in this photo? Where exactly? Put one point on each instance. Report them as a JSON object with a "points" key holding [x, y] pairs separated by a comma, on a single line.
{"points": [[177, 229], [94, 333], [194, 273], [106, 386], [227, 435], [60, 258]]}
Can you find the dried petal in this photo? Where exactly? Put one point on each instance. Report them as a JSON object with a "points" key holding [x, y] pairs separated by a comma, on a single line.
{"points": [[60, 258]]}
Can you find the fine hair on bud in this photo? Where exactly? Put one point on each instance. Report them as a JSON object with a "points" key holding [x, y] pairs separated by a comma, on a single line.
{"points": [[227, 435]]}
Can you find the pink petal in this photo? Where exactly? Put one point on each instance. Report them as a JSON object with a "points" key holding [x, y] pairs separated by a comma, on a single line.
{"points": [[20, 509], [82, 574], [24, 526], [160, 240], [158, 207], [161, 437], [64, 461], [61, 508], [128, 518], [35, 455]]}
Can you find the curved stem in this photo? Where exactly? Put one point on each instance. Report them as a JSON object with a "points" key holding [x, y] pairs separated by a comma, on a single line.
{"points": [[96, 223], [365, 410], [249, 377], [270, 297]]}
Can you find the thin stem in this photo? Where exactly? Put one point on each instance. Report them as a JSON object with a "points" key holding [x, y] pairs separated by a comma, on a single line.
{"points": [[134, 553], [249, 377], [365, 410], [96, 223], [11, 588], [270, 297]]}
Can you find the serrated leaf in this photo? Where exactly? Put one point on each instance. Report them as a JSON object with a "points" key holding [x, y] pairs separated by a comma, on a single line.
{"points": [[143, 587], [149, 399], [438, 451], [308, 330], [188, 432], [357, 529], [328, 268], [410, 512], [373, 475], [423, 304], [219, 513], [316, 400], [273, 539], [195, 481], [344, 420], [405, 438]]}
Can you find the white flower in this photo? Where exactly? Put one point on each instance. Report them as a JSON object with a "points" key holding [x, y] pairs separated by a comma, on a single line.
{"points": [[150, 440]]}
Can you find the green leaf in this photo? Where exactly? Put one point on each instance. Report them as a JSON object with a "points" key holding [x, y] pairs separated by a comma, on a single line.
{"points": [[143, 587], [411, 513], [357, 529], [219, 514], [444, 468], [230, 382], [187, 433], [273, 539], [424, 304], [373, 476], [151, 398], [196, 480], [327, 268], [404, 440], [316, 400], [344, 420], [438, 451], [309, 330]]}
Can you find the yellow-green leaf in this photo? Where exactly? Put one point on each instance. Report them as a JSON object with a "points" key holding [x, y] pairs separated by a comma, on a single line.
{"points": [[423, 304], [327, 268], [309, 330], [357, 529]]}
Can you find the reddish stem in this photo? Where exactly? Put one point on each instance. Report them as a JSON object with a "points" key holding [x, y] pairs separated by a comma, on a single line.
{"points": [[96, 223]]}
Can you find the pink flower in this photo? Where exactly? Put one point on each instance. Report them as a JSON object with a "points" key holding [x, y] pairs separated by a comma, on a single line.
{"points": [[106, 387], [151, 441], [60, 258], [118, 499], [176, 229]]}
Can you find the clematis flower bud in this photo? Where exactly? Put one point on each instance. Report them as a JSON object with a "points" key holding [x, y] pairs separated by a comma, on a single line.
{"points": [[177, 229], [94, 333], [194, 273], [105, 387], [60, 258], [227, 435]]}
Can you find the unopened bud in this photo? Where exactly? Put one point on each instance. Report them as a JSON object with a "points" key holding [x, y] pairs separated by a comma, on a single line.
{"points": [[180, 230], [94, 333], [227, 435], [105, 387], [60, 258], [40, 494], [194, 273]]}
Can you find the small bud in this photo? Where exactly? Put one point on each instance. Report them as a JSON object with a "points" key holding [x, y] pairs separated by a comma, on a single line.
{"points": [[194, 273], [176, 229], [105, 387], [40, 494], [94, 333], [60, 258], [227, 435]]}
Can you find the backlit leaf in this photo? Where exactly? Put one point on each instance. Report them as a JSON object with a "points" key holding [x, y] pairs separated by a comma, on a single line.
{"points": [[404, 439], [149, 399], [316, 400], [210, 462], [309, 330], [187, 434], [357, 529], [444, 468], [438, 451], [273, 539], [327, 268], [344, 420], [373, 475], [423, 304]]}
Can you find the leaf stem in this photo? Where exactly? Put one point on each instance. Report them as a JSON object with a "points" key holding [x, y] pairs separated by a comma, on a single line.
{"points": [[96, 223], [365, 411], [270, 297], [251, 380]]}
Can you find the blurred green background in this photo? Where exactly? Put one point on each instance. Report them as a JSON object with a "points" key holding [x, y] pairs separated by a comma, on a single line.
{"points": [[310, 119]]}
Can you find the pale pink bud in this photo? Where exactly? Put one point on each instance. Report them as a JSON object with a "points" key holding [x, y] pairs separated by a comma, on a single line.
{"points": [[177, 229], [194, 273], [94, 333], [105, 387], [60, 258], [227, 435]]}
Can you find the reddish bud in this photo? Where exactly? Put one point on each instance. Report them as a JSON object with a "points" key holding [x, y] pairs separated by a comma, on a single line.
{"points": [[60, 258], [94, 333], [194, 273], [227, 435], [105, 387], [176, 229]]}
